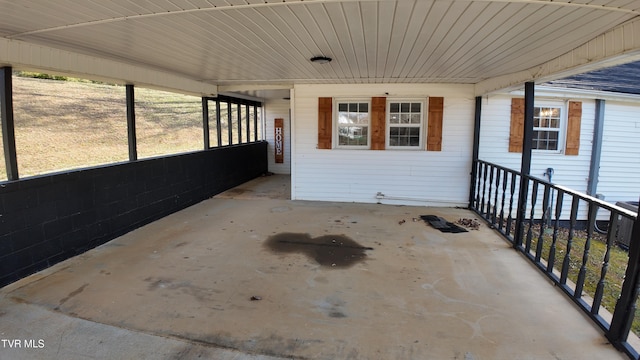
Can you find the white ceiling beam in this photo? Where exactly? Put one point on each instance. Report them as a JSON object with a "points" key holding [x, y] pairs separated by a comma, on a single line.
{"points": [[618, 46], [23, 55]]}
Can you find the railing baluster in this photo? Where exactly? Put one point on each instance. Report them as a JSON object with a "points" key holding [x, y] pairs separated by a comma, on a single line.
{"points": [[484, 187], [552, 249], [585, 255], [543, 222], [495, 198], [534, 198], [488, 213], [479, 179], [505, 176], [511, 198], [597, 298], [572, 226]]}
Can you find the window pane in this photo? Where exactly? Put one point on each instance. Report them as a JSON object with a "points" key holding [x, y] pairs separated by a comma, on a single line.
{"points": [[404, 107], [359, 116], [415, 118], [224, 122], [545, 140], [242, 122], [252, 126], [414, 137], [547, 124], [213, 126], [404, 136], [343, 107], [167, 123], [416, 107], [235, 131], [64, 124], [363, 118], [394, 119], [353, 135], [544, 122], [260, 123], [394, 107], [404, 118]]}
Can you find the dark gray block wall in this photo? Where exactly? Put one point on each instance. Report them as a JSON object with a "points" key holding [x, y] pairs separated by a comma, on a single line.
{"points": [[47, 219]]}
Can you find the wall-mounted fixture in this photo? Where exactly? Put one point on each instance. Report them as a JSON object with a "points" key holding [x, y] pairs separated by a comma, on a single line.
{"points": [[321, 59]]}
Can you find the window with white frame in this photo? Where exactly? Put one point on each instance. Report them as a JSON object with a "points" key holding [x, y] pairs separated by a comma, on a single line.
{"points": [[405, 124], [547, 126], [353, 124]]}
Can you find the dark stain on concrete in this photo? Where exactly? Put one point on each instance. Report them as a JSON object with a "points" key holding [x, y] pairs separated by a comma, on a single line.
{"points": [[328, 250], [73, 293]]}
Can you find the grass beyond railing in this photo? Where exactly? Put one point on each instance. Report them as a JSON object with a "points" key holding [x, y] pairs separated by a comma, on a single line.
{"points": [[558, 235]]}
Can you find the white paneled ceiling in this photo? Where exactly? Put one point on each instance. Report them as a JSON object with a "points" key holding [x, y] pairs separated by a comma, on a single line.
{"points": [[252, 44]]}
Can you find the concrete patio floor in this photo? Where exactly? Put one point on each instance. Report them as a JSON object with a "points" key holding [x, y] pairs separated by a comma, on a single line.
{"points": [[205, 284]]}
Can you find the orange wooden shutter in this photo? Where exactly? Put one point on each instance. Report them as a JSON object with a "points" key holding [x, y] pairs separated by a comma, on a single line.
{"points": [[325, 119], [434, 127], [573, 128], [378, 118], [516, 132]]}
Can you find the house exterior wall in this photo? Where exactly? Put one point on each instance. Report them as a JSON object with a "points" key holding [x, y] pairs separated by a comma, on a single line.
{"points": [[620, 159], [620, 156], [410, 177], [278, 109], [569, 170]]}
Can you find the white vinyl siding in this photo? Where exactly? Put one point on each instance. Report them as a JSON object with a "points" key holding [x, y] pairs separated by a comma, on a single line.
{"points": [[277, 109], [438, 178], [620, 159]]}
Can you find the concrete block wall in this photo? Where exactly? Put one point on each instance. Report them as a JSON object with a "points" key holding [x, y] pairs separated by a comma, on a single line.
{"points": [[47, 219]]}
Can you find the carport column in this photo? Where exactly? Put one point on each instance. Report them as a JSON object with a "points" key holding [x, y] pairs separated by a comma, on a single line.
{"points": [[131, 123], [596, 148], [205, 122], [525, 165], [8, 129], [476, 150]]}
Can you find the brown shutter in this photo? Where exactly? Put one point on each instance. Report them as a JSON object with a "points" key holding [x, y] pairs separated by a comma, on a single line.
{"points": [[573, 128], [434, 127], [378, 118], [516, 132], [325, 119]]}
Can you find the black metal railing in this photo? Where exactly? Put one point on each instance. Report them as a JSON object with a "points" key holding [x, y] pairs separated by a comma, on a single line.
{"points": [[598, 270]]}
